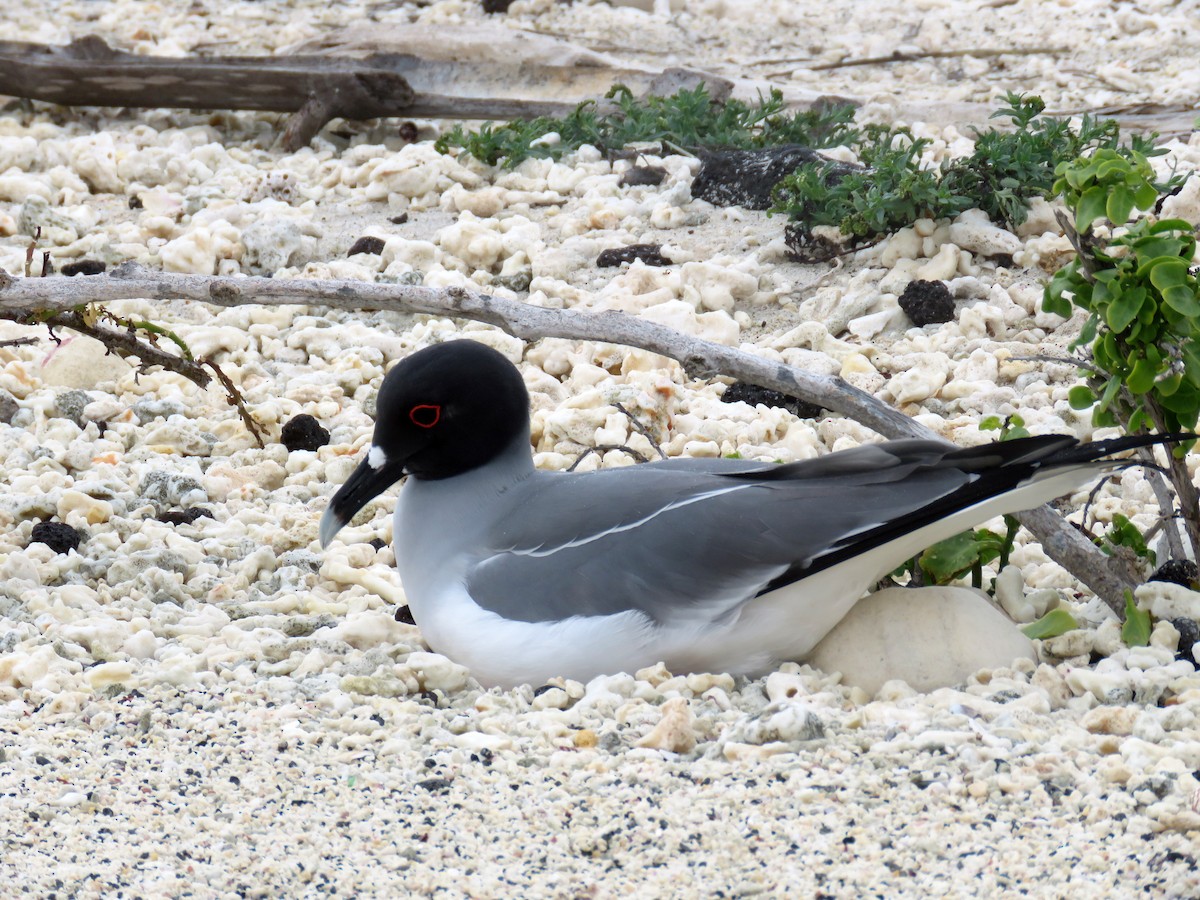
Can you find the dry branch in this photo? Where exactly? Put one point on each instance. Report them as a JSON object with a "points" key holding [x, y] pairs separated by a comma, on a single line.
{"points": [[30, 299], [316, 89]]}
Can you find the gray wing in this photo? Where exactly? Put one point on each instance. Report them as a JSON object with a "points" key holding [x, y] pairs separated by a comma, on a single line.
{"points": [[684, 537]]}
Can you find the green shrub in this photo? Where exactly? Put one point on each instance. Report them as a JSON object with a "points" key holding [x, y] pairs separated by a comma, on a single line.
{"points": [[688, 120]]}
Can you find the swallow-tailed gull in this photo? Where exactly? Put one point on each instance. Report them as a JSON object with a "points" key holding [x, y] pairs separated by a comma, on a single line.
{"points": [[704, 564]]}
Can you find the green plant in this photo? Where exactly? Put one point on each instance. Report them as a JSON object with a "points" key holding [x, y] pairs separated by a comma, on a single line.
{"points": [[967, 553], [1052, 624], [1006, 170], [1136, 630], [688, 120], [891, 192], [1124, 533], [1010, 427], [1142, 298]]}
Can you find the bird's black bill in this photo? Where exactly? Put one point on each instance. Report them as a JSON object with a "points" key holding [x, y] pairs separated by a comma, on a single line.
{"points": [[364, 484]]}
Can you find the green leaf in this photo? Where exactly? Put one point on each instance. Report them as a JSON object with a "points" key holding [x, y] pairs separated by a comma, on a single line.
{"points": [[1125, 308], [989, 423], [1145, 196], [1109, 394], [1087, 334], [1141, 379], [1167, 385], [1119, 205], [1052, 624], [1091, 206], [948, 559], [1136, 630], [1154, 250], [1168, 273], [1171, 225], [1081, 397], [1182, 299]]}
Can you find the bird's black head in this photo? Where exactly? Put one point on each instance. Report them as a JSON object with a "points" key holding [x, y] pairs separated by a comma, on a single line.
{"points": [[443, 411], [450, 408]]}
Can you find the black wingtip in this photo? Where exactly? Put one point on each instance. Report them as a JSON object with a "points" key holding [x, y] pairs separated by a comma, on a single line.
{"points": [[1096, 450]]}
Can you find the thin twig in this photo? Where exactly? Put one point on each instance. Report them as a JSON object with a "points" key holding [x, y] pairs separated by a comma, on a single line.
{"points": [[1059, 360], [641, 429], [604, 448], [235, 399], [982, 53]]}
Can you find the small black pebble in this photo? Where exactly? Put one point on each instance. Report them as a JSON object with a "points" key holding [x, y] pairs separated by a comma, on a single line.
{"points": [[753, 394], [545, 687], [303, 433], [1189, 636], [184, 516], [58, 536], [648, 253], [1182, 572], [84, 267], [377, 544], [400, 219], [643, 175], [404, 614], [135, 202], [927, 302], [233, 779], [408, 132], [496, 6], [371, 245], [435, 785], [41, 760]]}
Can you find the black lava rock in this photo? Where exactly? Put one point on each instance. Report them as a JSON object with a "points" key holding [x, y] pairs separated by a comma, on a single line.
{"points": [[58, 536], [650, 254], [400, 219], [927, 302], [747, 177], [638, 176], [496, 6], [1177, 571], [404, 614], [184, 516], [1189, 635], [303, 433], [84, 267], [753, 394], [372, 245]]}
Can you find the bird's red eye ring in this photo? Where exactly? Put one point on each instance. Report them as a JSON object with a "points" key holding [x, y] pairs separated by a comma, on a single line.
{"points": [[425, 416]]}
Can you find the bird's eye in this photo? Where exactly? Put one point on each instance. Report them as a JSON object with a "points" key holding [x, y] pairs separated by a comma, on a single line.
{"points": [[425, 416]]}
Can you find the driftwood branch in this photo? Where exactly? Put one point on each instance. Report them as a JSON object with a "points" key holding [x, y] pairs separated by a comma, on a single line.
{"points": [[314, 88], [30, 299]]}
